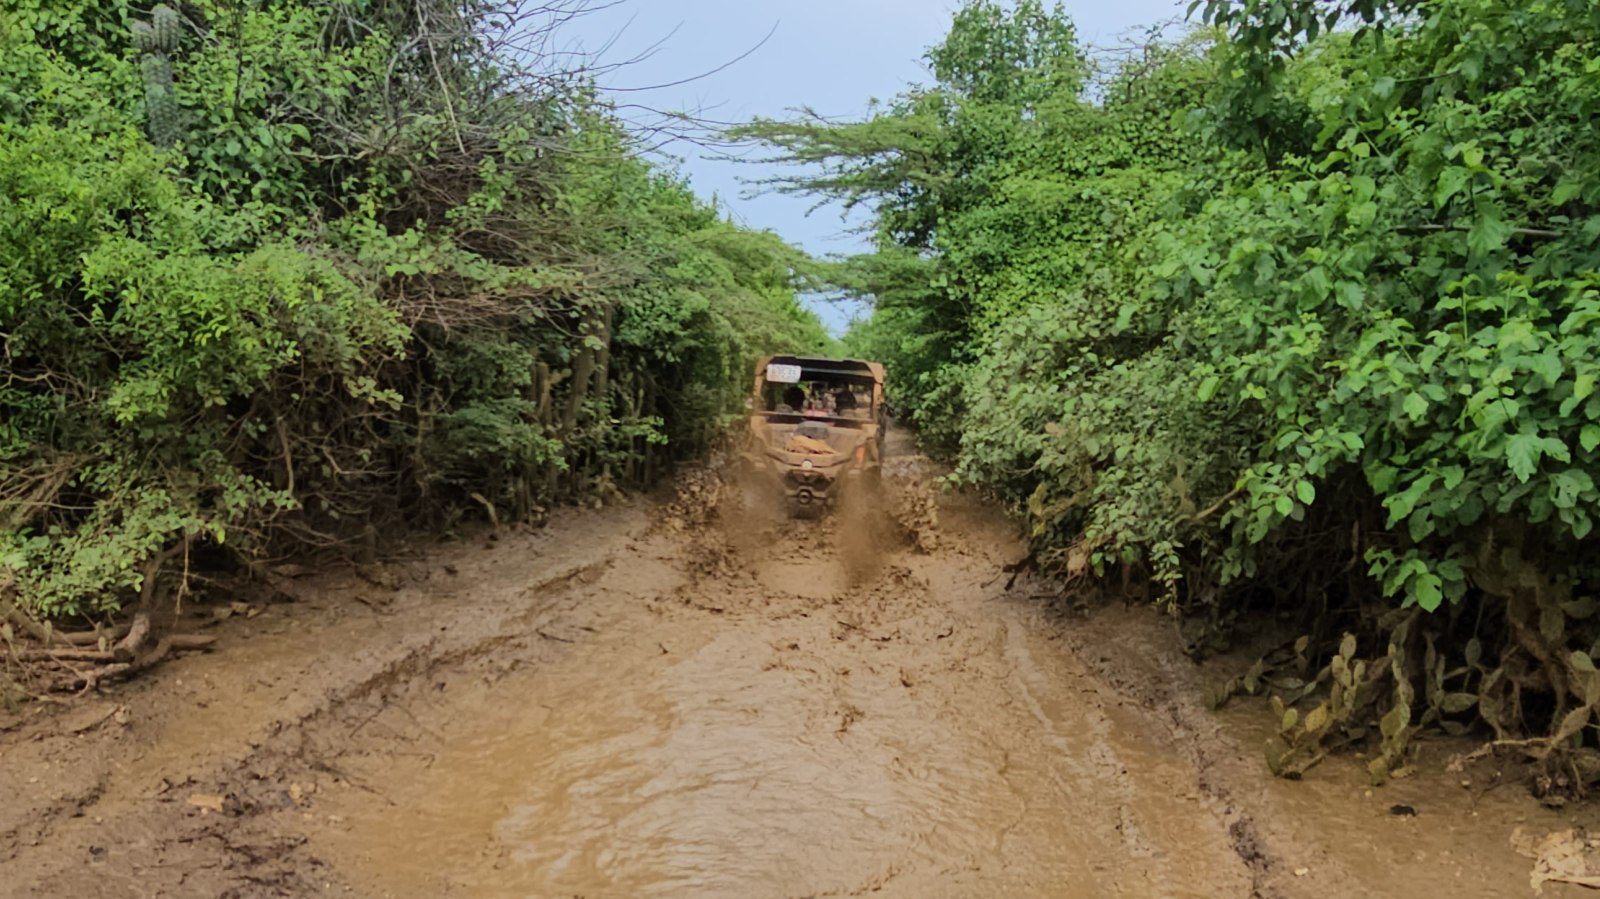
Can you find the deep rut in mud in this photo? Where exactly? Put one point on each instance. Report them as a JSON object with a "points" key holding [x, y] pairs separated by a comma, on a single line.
{"points": [[655, 701]]}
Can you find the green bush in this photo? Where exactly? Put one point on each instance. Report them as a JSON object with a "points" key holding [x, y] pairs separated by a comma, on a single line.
{"points": [[1282, 315], [285, 276], [126, 344]]}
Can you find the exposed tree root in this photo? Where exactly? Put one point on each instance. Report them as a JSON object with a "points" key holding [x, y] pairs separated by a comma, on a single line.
{"points": [[52, 661], [176, 642], [87, 681]]}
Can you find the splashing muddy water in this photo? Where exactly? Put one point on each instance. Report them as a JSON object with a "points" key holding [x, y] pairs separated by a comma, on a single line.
{"points": [[629, 705], [775, 727]]}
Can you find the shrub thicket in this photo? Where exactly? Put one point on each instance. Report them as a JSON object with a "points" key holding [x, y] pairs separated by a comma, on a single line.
{"points": [[1296, 313], [287, 274]]}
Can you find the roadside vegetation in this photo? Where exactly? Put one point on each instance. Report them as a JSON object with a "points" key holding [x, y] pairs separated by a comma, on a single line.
{"points": [[287, 276], [1294, 313]]}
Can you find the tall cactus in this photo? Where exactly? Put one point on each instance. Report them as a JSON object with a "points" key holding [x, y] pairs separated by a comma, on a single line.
{"points": [[164, 22], [157, 39], [144, 37]]}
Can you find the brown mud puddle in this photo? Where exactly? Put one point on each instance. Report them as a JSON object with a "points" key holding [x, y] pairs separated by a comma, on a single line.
{"points": [[622, 705]]}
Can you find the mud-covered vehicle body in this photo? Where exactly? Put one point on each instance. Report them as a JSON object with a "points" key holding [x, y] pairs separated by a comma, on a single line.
{"points": [[816, 429]]}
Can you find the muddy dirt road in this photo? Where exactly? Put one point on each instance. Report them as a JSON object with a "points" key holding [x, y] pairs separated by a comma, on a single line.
{"points": [[638, 702]]}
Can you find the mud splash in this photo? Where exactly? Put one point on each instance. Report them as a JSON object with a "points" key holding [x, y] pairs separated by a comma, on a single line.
{"points": [[777, 727], [663, 702]]}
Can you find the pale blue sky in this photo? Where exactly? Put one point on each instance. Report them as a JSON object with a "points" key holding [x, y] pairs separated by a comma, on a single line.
{"points": [[832, 55]]}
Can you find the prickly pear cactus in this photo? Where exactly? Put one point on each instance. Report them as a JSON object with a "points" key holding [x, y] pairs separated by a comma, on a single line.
{"points": [[156, 39]]}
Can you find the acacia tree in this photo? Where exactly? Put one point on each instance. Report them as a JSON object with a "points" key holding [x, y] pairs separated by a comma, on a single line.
{"points": [[923, 162]]}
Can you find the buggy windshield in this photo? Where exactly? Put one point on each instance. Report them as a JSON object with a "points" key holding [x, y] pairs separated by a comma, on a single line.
{"points": [[843, 390], [814, 397]]}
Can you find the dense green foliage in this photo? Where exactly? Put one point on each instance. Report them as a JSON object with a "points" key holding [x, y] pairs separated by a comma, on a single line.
{"points": [[288, 274], [1299, 313]]}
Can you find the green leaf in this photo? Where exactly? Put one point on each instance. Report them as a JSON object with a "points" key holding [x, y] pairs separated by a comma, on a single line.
{"points": [[1402, 504], [1589, 437], [1548, 366], [1306, 491], [1425, 589], [1523, 452], [1488, 236], [1415, 406], [1451, 182], [1382, 478]]}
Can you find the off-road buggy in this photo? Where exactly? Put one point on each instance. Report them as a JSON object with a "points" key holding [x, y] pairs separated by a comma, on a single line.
{"points": [[816, 430]]}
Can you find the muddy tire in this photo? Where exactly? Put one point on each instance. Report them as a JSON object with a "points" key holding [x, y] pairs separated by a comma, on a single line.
{"points": [[807, 511]]}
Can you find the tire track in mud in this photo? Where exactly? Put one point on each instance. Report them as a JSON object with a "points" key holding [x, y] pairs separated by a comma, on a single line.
{"points": [[1187, 725], [145, 839]]}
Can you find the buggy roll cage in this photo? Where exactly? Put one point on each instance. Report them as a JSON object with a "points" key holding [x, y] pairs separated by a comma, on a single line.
{"points": [[816, 368]]}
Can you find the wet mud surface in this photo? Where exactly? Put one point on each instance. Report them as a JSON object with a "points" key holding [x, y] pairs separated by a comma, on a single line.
{"points": [[701, 699]]}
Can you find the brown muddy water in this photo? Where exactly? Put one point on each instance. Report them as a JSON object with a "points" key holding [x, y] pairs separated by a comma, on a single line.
{"points": [[644, 701]]}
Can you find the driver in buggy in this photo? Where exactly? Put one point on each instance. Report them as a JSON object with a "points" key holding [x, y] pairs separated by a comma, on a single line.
{"points": [[793, 399], [844, 401], [818, 402]]}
